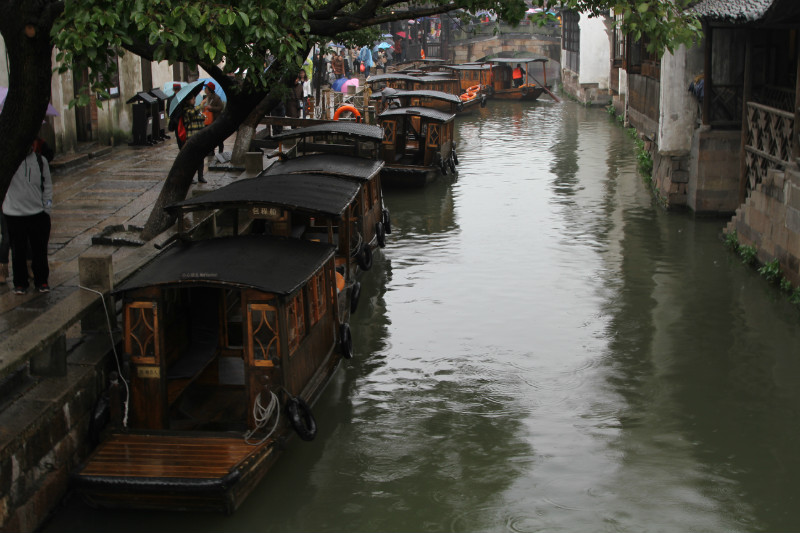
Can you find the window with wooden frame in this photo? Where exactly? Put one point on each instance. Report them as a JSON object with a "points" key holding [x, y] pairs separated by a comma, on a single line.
{"points": [[619, 42], [141, 332], [316, 295], [639, 60], [434, 139], [389, 131], [263, 334], [296, 321], [571, 33]]}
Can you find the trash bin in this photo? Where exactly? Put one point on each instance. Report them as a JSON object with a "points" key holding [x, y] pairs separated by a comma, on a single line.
{"points": [[142, 118], [159, 115]]}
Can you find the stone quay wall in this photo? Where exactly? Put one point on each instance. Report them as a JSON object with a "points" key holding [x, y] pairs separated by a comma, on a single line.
{"points": [[770, 220]]}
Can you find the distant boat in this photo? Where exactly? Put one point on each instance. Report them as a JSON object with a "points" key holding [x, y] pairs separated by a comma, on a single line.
{"points": [[502, 85], [417, 146]]}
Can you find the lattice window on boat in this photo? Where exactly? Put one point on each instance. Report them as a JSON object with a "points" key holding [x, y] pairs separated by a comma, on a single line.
{"points": [[262, 324], [389, 130], [316, 291], [296, 320], [141, 325], [434, 135]]}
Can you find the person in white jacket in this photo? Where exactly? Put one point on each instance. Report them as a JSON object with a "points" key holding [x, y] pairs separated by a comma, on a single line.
{"points": [[26, 212]]}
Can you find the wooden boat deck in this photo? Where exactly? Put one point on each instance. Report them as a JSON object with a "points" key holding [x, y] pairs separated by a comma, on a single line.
{"points": [[161, 471], [159, 456]]}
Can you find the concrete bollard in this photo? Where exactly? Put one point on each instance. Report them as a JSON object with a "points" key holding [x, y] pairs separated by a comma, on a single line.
{"points": [[254, 162], [96, 271]]}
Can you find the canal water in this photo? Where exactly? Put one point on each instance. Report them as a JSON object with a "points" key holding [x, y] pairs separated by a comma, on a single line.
{"points": [[541, 348]]}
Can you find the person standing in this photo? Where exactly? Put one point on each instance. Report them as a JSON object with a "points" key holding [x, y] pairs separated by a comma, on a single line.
{"points": [[185, 121], [516, 75], [212, 107], [366, 59], [26, 212], [398, 49], [306, 84], [337, 64]]}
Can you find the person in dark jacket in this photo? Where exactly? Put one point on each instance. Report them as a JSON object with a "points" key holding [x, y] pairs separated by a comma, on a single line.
{"points": [[212, 107]]}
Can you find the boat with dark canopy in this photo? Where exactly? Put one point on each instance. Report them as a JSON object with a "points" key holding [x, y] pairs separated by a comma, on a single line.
{"points": [[388, 98], [228, 342], [348, 151], [418, 146], [313, 207]]}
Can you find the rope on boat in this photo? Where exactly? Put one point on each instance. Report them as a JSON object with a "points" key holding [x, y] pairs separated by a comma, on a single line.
{"points": [[116, 355], [262, 415]]}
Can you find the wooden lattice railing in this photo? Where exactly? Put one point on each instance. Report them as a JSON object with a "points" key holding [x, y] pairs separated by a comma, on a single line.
{"points": [[769, 141]]}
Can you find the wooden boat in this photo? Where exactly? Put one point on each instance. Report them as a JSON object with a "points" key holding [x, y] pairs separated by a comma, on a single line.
{"points": [[315, 207], [440, 81], [371, 216], [388, 98], [220, 336], [348, 151], [502, 86], [417, 146], [473, 77]]}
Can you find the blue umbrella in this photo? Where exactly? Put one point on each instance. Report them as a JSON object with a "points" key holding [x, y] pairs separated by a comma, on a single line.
{"points": [[190, 90], [381, 45], [217, 89]]}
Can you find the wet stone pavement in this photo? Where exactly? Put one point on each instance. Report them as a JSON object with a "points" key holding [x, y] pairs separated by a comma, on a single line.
{"points": [[111, 187]]}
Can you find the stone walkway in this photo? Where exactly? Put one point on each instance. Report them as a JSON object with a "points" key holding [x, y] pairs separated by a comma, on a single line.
{"points": [[110, 187]]}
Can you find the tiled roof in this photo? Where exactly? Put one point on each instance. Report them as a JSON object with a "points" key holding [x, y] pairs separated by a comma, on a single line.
{"points": [[733, 10]]}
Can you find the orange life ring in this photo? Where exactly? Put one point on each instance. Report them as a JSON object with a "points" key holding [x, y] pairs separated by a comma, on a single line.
{"points": [[347, 108], [474, 89]]}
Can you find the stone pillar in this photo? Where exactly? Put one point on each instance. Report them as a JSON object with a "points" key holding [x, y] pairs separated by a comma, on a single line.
{"points": [[96, 272]]}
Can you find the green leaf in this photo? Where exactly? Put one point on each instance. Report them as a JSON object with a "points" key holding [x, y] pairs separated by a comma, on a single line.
{"points": [[643, 7], [244, 18]]}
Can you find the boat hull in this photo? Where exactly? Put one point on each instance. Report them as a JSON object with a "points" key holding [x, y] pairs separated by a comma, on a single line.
{"points": [[409, 177], [528, 94]]}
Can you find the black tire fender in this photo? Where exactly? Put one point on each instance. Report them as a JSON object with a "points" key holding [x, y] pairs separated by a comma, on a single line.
{"points": [[387, 221], [460, 106], [364, 257], [346, 341], [483, 101], [300, 417], [455, 156], [355, 294], [380, 233], [524, 91], [452, 164]]}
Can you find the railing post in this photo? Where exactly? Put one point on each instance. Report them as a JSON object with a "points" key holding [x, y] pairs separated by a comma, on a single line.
{"points": [[746, 93]]}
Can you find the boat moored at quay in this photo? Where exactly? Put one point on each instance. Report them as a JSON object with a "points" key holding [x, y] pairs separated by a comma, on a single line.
{"points": [[229, 342]]}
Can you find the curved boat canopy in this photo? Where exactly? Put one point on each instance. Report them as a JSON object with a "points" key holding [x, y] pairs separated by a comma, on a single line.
{"points": [[426, 112], [262, 262], [342, 166], [423, 93], [324, 194], [357, 130]]}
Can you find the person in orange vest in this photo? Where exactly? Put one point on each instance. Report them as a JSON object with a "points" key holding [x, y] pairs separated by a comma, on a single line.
{"points": [[516, 75]]}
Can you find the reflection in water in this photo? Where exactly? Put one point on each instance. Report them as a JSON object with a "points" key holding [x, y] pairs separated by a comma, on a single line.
{"points": [[539, 347]]}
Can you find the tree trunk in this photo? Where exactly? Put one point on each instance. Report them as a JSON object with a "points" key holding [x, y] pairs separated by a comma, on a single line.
{"points": [[30, 70], [193, 153], [248, 128]]}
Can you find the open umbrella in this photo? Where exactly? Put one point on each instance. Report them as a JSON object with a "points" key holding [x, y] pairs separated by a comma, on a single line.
{"points": [[347, 83], [190, 90], [401, 34], [167, 88], [217, 89], [382, 45], [51, 111]]}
